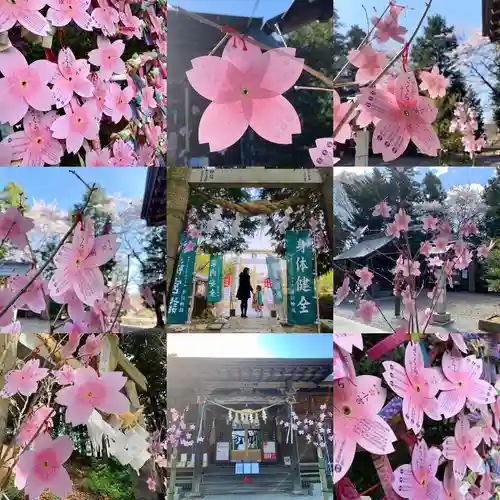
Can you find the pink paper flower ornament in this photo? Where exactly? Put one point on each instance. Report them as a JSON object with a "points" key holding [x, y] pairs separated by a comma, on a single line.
{"points": [[25, 380], [34, 296], [462, 383], [461, 448], [388, 26], [451, 484], [417, 386], [41, 417], [108, 57], [25, 12], [24, 85], [34, 145], [347, 340], [434, 82], [322, 154], [42, 468], [13, 228], [77, 263], [368, 61], [417, 481], [355, 412], [62, 13], [77, 124], [245, 88], [72, 78], [403, 116], [90, 392]]}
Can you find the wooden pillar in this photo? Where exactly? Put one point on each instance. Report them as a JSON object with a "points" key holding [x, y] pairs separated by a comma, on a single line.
{"points": [[322, 475], [295, 459], [198, 454], [177, 202], [8, 358]]}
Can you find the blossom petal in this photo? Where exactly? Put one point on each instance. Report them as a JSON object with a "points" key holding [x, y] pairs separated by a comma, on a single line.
{"points": [[280, 69], [104, 249], [89, 285], [390, 138], [344, 450], [425, 138]]}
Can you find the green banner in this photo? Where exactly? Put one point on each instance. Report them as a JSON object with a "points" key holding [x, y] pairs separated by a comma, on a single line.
{"points": [[300, 282], [274, 273], [214, 293], [178, 307]]}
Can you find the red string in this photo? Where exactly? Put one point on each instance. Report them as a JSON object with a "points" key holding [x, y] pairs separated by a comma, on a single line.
{"points": [[35, 352], [60, 37], [229, 30], [405, 56], [50, 56]]}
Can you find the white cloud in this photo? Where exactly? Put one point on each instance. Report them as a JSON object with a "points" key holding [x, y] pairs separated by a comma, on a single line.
{"points": [[439, 171], [352, 170]]}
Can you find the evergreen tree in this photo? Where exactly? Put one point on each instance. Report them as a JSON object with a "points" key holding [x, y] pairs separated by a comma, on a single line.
{"points": [[491, 196], [12, 195], [432, 188]]}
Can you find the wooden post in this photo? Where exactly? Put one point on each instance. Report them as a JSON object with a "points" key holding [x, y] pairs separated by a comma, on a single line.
{"points": [[177, 202], [8, 358], [322, 475], [198, 455]]}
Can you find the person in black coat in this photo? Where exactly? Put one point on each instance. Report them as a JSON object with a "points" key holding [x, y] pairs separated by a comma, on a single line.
{"points": [[244, 291]]}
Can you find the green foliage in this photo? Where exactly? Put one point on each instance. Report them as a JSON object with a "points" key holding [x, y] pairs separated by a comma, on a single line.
{"points": [[155, 248], [491, 196], [109, 480], [326, 306], [492, 272], [432, 188]]}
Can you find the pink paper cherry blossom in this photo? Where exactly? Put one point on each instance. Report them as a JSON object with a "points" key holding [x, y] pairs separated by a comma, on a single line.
{"points": [[91, 392], [461, 448], [123, 154], [72, 77], [25, 12], [347, 340], [151, 484], [484, 491], [245, 88], [103, 309], [490, 435], [131, 24], [382, 210], [322, 154], [42, 466], [75, 305], [457, 338], [35, 145], [33, 423], [13, 228], [101, 89], [108, 57], [34, 296], [403, 116], [77, 124], [25, 381], [117, 100], [365, 277], [340, 109], [62, 13], [355, 408], [369, 61], [24, 85], [65, 376], [6, 154], [451, 485], [417, 481], [417, 386], [434, 82], [463, 383], [78, 263], [106, 17], [91, 348], [71, 345], [366, 310], [98, 158], [388, 26]]}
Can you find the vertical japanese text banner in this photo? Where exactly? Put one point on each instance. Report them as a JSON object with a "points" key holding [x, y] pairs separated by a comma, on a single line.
{"points": [[300, 281], [214, 293], [181, 290]]}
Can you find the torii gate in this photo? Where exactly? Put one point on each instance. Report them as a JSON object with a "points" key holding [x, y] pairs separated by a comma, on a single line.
{"points": [[181, 179]]}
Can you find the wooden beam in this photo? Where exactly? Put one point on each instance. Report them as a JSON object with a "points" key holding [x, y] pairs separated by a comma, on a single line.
{"points": [[247, 177]]}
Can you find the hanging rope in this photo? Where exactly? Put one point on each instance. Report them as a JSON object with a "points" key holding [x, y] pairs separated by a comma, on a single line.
{"points": [[256, 207]]}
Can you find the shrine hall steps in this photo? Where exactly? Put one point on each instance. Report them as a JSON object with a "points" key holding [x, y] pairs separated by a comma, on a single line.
{"points": [[223, 480]]}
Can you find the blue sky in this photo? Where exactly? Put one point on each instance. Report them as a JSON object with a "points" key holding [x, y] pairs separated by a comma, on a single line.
{"points": [[251, 345], [56, 183], [265, 8]]}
